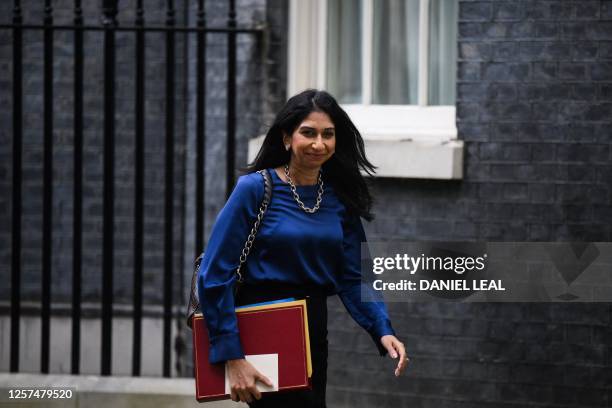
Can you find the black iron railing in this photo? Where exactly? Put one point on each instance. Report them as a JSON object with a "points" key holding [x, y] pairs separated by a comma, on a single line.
{"points": [[109, 27]]}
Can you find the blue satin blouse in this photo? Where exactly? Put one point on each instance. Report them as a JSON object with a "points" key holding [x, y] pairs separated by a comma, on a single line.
{"points": [[293, 247]]}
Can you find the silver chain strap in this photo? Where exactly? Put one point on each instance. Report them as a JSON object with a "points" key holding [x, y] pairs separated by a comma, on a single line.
{"points": [[297, 197], [194, 303], [251, 238]]}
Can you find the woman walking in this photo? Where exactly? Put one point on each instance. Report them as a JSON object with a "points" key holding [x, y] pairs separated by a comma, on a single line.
{"points": [[308, 244]]}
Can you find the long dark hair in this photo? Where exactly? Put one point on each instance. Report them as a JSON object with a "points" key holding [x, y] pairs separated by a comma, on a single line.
{"points": [[342, 170]]}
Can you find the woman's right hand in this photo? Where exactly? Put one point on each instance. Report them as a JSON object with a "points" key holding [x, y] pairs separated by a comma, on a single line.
{"points": [[242, 378]]}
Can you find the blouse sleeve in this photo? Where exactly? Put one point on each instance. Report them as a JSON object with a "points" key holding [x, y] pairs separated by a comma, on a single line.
{"points": [[216, 275], [371, 315]]}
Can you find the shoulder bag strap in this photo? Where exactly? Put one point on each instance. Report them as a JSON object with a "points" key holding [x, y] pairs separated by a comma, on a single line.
{"points": [[194, 304]]}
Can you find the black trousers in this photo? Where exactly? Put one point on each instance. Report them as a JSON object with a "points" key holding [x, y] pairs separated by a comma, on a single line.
{"points": [[316, 303]]}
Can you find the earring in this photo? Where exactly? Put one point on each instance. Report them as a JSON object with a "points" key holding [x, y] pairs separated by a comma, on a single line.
{"points": [[287, 147]]}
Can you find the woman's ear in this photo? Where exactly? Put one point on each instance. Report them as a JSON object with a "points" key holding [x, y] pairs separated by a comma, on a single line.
{"points": [[286, 141]]}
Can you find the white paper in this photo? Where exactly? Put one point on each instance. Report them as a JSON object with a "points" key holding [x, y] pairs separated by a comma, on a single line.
{"points": [[267, 364]]}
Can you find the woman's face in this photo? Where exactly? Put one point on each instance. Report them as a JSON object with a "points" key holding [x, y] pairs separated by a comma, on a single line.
{"points": [[313, 142]]}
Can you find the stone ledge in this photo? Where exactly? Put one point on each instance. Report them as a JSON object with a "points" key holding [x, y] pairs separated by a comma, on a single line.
{"points": [[115, 391], [416, 158], [405, 158]]}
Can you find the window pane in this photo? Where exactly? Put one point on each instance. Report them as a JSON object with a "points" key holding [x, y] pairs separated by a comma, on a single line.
{"points": [[344, 50], [395, 52], [442, 51]]}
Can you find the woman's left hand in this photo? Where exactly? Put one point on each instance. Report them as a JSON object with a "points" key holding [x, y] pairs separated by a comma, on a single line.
{"points": [[395, 348]]}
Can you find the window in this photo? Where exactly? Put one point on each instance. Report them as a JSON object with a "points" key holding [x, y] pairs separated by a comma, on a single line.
{"points": [[385, 51], [392, 66]]}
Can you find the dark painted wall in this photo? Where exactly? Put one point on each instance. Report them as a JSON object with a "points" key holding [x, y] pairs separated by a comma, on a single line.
{"points": [[535, 110]]}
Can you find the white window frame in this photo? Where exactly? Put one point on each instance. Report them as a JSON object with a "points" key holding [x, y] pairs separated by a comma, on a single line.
{"points": [[383, 127]]}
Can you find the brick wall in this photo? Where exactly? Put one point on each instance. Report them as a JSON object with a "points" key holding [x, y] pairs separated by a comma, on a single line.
{"points": [[534, 108]]}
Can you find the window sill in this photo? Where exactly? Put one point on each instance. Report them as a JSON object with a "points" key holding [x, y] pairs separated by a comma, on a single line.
{"points": [[406, 158], [435, 159]]}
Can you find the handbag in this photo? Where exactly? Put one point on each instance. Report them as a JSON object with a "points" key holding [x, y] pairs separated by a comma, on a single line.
{"points": [[193, 306]]}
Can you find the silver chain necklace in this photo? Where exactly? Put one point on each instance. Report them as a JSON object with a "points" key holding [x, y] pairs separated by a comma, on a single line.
{"points": [[297, 197]]}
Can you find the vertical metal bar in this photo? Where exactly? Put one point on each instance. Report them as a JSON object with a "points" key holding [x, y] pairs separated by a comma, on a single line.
{"points": [[179, 343], [109, 8], [77, 188], [231, 98], [139, 191], [169, 190], [17, 153], [47, 187], [293, 51], [321, 44], [200, 130]]}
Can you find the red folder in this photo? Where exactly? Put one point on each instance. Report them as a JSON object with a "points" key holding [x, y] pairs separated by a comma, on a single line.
{"points": [[278, 328]]}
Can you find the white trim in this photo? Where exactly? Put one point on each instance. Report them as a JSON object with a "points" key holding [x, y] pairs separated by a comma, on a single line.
{"points": [[303, 46], [322, 44], [416, 159], [292, 52], [429, 159], [367, 37], [423, 52]]}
